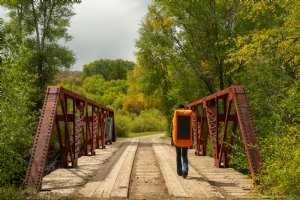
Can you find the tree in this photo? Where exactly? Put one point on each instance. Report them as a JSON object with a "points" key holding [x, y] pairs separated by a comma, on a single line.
{"points": [[109, 69], [40, 26], [182, 46], [266, 60], [17, 121], [104, 92], [189, 49]]}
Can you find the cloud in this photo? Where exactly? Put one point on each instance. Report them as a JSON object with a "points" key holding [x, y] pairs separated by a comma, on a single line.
{"points": [[105, 29]]}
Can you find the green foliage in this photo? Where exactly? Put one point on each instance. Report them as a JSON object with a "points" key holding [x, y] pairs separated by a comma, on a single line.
{"points": [[17, 121], [16, 127], [238, 159], [181, 52], [188, 49], [136, 100], [104, 92], [69, 77], [149, 120], [30, 57], [122, 123], [281, 173], [12, 166], [40, 26], [11, 192], [266, 60], [109, 93], [134, 103], [109, 69], [263, 92], [134, 113]]}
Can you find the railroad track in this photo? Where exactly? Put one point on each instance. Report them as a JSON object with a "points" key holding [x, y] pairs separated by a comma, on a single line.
{"points": [[146, 179]]}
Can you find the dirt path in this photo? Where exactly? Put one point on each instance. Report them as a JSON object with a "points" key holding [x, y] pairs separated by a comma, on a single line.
{"points": [[144, 168]]}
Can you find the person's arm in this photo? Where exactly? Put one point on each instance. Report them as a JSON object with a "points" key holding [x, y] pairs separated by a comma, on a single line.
{"points": [[171, 129], [171, 134]]}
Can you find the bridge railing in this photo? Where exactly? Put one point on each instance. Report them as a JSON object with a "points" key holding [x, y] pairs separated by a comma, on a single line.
{"points": [[78, 123], [218, 116]]}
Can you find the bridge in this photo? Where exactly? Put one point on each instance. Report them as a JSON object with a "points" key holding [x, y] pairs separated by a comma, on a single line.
{"points": [[97, 165]]}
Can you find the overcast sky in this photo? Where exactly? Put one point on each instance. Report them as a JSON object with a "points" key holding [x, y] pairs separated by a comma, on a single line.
{"points": [[105, 29]]}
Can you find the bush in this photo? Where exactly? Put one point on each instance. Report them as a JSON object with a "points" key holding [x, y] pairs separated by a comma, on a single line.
{"points": [[17, 122], [12, 166], [149, 120], [238, 158], [122, 123], [281, 173]]}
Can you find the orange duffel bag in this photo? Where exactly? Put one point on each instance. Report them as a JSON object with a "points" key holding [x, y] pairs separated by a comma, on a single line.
{"points": [[182, 128]]}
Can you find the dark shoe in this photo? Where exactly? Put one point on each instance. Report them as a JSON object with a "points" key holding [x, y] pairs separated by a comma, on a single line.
{"points": [[184, 174], [179, 174]]}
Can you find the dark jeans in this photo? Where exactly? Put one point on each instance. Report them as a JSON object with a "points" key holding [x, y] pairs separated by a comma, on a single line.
{"points": [[182, 166]]}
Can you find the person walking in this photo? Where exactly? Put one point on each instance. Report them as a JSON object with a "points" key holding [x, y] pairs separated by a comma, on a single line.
{"points": [[181, 148]]}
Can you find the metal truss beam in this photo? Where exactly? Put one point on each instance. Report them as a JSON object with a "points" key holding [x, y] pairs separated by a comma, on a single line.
{"points": [[218, 116], [76, 122]]}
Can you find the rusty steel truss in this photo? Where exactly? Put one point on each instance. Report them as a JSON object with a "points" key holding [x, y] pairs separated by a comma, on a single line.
{"points": [[218, 116], [79, 124]]}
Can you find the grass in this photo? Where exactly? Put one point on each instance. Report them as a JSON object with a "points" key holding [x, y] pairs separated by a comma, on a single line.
{"points": [[12, 192], [133, 135], [164, 136]]}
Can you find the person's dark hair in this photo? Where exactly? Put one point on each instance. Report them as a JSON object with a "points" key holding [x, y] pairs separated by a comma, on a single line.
{"points": [[181, 106]]}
